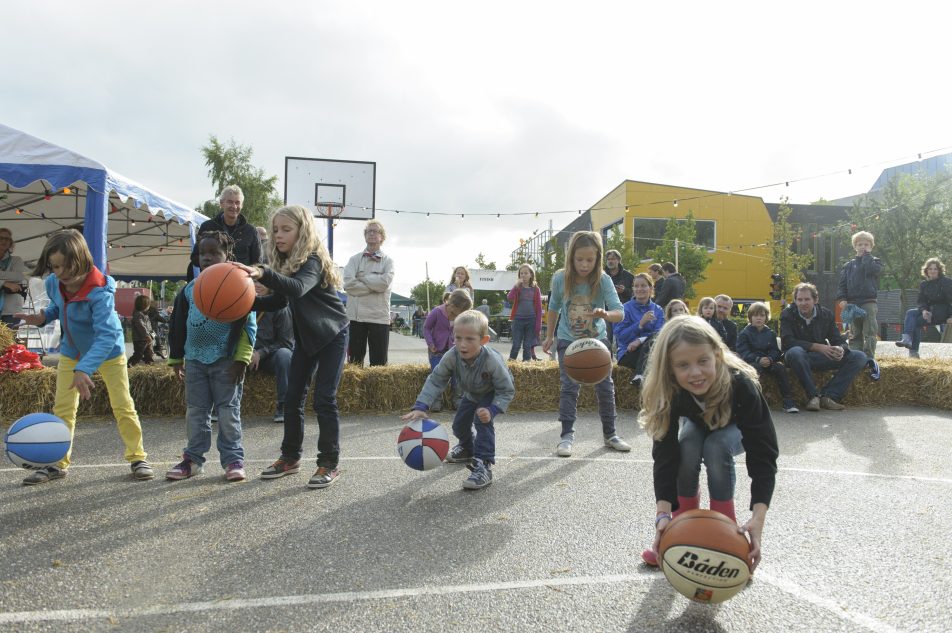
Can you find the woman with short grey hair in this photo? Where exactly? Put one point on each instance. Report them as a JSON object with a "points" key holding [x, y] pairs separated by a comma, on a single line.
{"points": [[13, 282]]}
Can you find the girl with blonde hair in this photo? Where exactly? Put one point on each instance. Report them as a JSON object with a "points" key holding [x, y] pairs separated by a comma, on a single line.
{"points": [[303, 275], [701, 402]]}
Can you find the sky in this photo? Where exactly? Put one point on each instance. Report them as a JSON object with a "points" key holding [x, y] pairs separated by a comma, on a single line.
{"points": [[495, 107]]}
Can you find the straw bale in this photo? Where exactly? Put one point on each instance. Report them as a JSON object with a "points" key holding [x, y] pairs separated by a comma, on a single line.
{"points": [[394, 388], [6, 337]]}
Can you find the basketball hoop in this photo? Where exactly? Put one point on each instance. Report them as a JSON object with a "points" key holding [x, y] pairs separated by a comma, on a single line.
{"points": [[330, 211]]}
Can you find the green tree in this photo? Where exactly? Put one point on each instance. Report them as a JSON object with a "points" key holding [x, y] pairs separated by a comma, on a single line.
{"points": [[428, 293], [230, 164], [482, 263], [617, 241], [692, 258], [911, 221], [552, 261], [785, 259]]}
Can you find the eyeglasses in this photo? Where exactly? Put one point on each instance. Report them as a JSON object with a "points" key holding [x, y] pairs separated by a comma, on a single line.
{"points": [[369, 231]]}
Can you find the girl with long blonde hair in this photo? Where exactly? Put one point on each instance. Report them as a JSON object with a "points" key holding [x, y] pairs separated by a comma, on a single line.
{"points": [[303, 275], [701, 402]]}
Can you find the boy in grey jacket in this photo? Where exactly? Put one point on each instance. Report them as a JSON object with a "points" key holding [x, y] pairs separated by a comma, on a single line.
{"points": [[482, 375], [859, 285]]}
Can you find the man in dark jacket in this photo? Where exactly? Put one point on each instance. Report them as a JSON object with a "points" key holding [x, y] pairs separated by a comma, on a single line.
{"points": [[273, 347], [723, 314], [859, 285], [623, 281], [673, 287], [230, 221], [811, 340]]}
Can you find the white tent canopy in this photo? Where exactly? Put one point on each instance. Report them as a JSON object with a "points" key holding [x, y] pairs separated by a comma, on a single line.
{"points": [[133, 232]]}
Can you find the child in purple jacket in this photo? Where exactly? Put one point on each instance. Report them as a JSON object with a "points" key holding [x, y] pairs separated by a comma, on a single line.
{"points": [[438, 328]]}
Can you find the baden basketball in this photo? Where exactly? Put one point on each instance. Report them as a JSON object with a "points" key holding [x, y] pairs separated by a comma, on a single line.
{"points": [[423, 444], [224, 293], [587, 361], [704, 557], [37, 440]]}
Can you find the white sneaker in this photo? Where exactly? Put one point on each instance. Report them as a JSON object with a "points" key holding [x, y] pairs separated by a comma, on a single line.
{"points": [[564, 449], [617, 443]]}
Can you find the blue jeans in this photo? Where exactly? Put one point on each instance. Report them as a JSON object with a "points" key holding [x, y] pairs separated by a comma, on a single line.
{"points": [[913, 325], [325, 369], [481, 443], [208, 386], [279, 364], [717, 448], [568, 399], [802, 363], [523, 335]]}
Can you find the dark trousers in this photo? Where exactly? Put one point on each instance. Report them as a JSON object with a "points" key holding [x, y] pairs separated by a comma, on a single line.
{"points": [[635, 361], [325, 368], [473, 434], [779, 372], [141, 353], [376, 335]]}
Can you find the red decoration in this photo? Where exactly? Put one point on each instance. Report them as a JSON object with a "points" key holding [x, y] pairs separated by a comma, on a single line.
{"points": [[18, 358]]}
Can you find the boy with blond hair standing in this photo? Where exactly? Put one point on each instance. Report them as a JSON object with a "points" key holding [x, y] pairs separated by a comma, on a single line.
{"points": [[859, 285]]}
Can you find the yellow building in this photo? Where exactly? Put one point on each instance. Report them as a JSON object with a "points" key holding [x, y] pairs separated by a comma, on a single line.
{"points": [[735, 229]]}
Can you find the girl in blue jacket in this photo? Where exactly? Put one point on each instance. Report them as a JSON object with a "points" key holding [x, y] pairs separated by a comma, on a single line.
{"points": [[91, 339], [635, 334]]}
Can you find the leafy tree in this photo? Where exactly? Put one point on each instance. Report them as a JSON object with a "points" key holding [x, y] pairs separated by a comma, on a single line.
{"points": [[785, 259], [617, 241], [230, 164], [553, 261], [428, 293], [692, 258], [483, 264], [911, 220]]}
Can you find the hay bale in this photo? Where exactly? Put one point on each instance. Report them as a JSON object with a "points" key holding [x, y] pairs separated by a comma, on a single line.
{"points": [[6, 337]]}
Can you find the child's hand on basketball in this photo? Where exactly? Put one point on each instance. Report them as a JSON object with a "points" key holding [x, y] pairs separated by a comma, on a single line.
{"points": [[254, 273], [83, 384], [484, 415], [413, 416], [31, 319], [754, 528]]}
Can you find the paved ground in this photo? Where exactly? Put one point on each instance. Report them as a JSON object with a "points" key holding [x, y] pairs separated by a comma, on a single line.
{"points": [[856, 540]]}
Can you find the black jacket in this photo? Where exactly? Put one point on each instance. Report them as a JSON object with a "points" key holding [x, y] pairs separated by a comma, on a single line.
{"points": [[247, 242], [859, 280], [754, 344], [750, 413], [673, 288], [623, 278], [730, 334], [275, 330], [317, 313], [794, 331], [935, 295]]}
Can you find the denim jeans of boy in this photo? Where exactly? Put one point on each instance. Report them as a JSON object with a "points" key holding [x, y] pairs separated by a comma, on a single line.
{"points": [[523, 335], [208, 386], [568, 399], [324, 369], [802, 363], [472, 433], [717, 449]]}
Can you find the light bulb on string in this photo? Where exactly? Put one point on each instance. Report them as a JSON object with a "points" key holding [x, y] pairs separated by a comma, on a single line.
{"points": [[675, 204]]}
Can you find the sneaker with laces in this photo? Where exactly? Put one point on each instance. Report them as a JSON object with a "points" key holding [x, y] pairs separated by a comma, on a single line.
{"points": [[564, 448], [481, 476], [142, 471], [184, 469], [459, 455], [789, 406], [637, 380], [43, 475], [235, 471], [283, 466], [278, 417], [873, 369], [323, 477], [618, 444]]}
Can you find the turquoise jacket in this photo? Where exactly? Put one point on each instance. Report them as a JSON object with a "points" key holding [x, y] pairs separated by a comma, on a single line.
{"points": [[90, 331]]}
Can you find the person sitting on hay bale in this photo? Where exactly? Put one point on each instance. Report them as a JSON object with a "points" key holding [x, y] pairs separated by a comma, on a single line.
{"points": [[933, 306]]}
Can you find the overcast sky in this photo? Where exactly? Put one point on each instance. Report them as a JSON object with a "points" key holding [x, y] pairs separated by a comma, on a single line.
{"points": [[487, 107]]}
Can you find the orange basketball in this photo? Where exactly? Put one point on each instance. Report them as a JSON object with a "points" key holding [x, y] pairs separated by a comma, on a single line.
{"points": [[587, 361], [704, 557], [224, 293]]}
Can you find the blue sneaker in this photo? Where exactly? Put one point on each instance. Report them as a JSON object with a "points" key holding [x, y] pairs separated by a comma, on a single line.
{"points": [[481, 476], [873, 369]]}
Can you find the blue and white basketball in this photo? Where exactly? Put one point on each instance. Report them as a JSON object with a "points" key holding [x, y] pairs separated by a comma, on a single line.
{"points": [[37, 440], [423, 444]]}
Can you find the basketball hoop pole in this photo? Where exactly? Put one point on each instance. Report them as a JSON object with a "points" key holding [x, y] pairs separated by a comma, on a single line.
{"points": [[330, 234]]}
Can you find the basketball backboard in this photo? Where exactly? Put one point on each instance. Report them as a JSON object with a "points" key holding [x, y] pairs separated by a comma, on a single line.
{"points": [[348, 187]]}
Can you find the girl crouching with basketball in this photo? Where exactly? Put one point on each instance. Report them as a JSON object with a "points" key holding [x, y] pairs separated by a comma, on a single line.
{"points": [[703, 402], [211, 357], [83, 299], [303, 275], [584, 297]]}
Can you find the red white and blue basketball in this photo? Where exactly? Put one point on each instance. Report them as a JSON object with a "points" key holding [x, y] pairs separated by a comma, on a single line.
{"points": [[37, 440], [423, 444]]}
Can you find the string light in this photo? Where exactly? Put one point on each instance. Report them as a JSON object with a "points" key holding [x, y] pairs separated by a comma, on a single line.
{"points": [[675, 204]]}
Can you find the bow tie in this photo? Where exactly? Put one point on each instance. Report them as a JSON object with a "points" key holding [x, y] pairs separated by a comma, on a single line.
{"points": [[373, 256]]}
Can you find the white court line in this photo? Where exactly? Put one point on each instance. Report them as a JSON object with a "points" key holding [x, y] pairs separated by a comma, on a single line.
{"points": [[553, 458], [66, 615]]}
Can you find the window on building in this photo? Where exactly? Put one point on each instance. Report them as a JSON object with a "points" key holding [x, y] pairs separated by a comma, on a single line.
{"points": [[607, 231], [649, 232]]}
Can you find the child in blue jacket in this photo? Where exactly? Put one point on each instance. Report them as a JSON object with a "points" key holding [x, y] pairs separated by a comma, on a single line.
{"points": [[757, 344]]}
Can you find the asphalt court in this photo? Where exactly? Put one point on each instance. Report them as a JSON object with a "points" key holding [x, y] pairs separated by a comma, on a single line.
{"points": [[855, 538]]}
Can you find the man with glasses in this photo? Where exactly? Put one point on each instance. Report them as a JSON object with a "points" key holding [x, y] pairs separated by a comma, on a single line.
{"points": [[368, 276]]}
